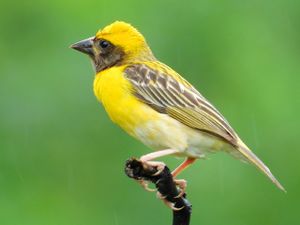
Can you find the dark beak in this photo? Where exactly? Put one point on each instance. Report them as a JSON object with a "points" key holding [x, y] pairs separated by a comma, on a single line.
{"points": [[85, 46]]}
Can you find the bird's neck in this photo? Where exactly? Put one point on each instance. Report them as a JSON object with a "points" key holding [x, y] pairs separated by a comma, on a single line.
{"points": [[143, 55]]}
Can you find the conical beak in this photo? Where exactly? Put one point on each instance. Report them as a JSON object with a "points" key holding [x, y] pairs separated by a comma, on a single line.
{"points": [[85, 46]]}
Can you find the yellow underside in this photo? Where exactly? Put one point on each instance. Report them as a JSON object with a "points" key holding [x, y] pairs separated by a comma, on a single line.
{"points": [[154, 129], [114, 91]]}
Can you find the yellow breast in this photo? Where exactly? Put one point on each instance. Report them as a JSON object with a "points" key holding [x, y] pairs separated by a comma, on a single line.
{"points": [[115, 92], [158, 131]]}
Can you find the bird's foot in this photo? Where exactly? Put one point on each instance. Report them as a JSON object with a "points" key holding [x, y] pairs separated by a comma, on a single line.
{"points": [[170, 205], [145, 185], [160, 166], [182, 184]]}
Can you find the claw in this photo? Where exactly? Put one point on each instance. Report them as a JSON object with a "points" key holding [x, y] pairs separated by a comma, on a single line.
{"points": [[181, 193], [160, 196], [171, 205], [182, 184], [145, 185], [159, 166]]}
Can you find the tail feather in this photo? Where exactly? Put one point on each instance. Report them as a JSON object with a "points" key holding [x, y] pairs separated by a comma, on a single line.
{"points": [[251, 157]]}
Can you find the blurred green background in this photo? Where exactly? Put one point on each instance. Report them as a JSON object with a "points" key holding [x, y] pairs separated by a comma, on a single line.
{"points": [[61, 159]]}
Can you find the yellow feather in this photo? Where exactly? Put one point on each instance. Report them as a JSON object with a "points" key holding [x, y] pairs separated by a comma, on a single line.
{"points": [[132, 42], [114, 91]]}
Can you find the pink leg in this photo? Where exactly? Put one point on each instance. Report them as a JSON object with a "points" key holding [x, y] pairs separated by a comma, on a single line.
{"points": [[182, 183], [154, 155], [183, 166]]}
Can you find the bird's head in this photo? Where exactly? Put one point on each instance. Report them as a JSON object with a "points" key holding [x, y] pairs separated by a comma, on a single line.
{"points": [[116, 44]]}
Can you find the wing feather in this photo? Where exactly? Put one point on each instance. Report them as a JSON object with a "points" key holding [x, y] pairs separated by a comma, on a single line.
{"points": [[168, 93]]}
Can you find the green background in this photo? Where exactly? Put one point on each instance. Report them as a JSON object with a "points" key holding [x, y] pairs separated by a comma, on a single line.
{"points": [[62, 160]]}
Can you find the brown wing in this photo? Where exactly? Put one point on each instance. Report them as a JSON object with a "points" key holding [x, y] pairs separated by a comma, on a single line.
{"points": [[166, 92]]}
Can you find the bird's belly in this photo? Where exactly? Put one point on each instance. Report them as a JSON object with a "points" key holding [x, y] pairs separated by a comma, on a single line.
{"points": [[156, 130], [166, 132]]}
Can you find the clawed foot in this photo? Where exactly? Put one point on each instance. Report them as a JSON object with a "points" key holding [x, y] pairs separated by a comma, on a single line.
{"points": [[145, 185], [180, 183], [160, 166], [170, 205]]}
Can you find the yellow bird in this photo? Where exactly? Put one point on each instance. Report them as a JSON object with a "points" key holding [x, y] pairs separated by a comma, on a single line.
{"points": [[154, 104]]}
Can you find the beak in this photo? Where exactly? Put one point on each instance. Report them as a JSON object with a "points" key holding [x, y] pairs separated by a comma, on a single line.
{"points": [[85, 46]]}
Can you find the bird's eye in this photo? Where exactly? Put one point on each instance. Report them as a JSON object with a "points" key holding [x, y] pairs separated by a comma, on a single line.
{"points": [[104, 44]]}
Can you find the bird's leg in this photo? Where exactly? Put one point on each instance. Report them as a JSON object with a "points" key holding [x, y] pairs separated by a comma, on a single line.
{"points": [[186, 163], [159, 165], [181, 182], [155, 155]]}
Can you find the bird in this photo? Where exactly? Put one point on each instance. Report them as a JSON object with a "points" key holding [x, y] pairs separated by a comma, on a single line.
{"points": [[156, 105]]}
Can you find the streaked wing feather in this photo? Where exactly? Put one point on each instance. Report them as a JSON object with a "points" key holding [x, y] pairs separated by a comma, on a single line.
{"points": [[168, 93]]}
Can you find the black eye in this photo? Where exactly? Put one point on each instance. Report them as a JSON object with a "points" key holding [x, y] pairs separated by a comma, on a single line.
{"points": [[104, 44]]}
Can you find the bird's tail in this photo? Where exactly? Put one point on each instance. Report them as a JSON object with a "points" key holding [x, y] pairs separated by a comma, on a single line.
{"points": [[251, 157]]}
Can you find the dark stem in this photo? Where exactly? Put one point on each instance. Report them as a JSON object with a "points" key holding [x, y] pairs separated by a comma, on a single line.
{"points": [[165, 186]]}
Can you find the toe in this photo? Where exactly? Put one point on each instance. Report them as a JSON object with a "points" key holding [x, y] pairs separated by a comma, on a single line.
{"points": [[145, 185], [182, 184]]}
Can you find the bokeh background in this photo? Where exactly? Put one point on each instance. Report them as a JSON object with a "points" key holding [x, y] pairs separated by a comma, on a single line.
{"points": [[61, 159]]}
